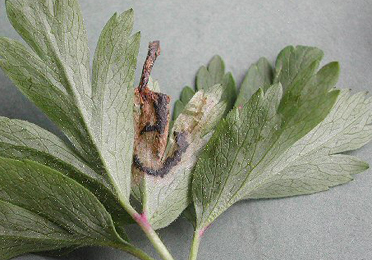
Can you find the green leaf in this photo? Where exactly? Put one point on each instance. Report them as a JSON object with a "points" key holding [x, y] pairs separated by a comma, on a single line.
{"points": [[59, 252], [164, 198], [178, 108], [36, 194], [186, 94], [55, 74], [230, 92], [42, 86], [113, 79], [259, 75], [253, 137], [216, 68], [208, 77], [56, 32], [313, 164], [23, 140], [190, 214], [295, 65], [22, 231]]}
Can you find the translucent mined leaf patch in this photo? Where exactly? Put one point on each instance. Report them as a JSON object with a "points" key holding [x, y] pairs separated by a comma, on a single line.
{"points": [[208, 77], [164, 196]]}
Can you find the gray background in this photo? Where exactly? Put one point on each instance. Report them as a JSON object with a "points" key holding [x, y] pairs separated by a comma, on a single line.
{"points": [[332, 225]]}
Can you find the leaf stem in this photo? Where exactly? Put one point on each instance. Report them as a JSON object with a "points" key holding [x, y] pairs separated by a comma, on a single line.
{"points": [[131, 249], [155, 240], [141, 219], [195, 244]]}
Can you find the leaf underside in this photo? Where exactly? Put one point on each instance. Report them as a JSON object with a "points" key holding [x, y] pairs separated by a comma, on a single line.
{"points": [[207, 77], [284, 134], [284, 140], [40, 206], [54, 73], [164, 198], [113, 78], [23, 140]]}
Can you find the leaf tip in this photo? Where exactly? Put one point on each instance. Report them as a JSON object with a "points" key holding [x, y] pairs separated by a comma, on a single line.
{"points": [[334, 66], [137, 35], [365, 166], [129, 12], [217, 57]]}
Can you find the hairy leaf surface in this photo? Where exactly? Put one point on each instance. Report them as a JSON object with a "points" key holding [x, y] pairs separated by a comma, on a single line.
{"points": [[210, 75], [49, 195], [22, 231], [113, 78], [254, 136], [186, 94], [206, 78], [43, 86], [55, 73], [23, 140], [313, 163], [259, 75], [55, 76], [165, 198]]}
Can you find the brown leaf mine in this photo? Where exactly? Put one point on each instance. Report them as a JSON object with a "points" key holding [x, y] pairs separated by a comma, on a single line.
{"points": [[152, 125]]}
